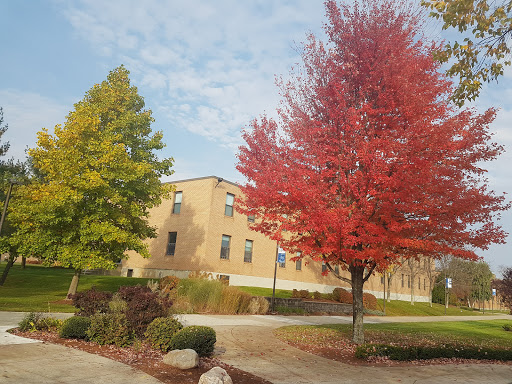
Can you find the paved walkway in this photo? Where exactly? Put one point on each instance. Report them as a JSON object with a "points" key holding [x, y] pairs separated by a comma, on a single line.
{"points": [[245, 342]]}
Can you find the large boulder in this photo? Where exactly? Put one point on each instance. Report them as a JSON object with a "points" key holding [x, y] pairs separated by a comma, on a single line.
{"points": [[216, 375], [182, 358]]}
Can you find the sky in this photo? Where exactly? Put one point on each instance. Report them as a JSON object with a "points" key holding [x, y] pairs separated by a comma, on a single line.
{"points": [[204, 68]]}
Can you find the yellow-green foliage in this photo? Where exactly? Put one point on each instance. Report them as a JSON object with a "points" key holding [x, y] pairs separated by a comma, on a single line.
{"points": [[99, 176]]}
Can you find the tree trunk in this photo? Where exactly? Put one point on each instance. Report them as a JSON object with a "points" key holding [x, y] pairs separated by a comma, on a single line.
{"points": [[356, 273], [74, 283], [390, 278], [23, 262], [10, 262]]}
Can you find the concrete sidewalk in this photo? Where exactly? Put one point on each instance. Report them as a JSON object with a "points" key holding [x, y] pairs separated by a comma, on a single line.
{"points": [[30, 361], [247, 343]]}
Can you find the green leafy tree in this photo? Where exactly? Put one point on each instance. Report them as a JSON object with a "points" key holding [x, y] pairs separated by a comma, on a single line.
{"points": [[98, 176], [11, 173], [485, 51]]}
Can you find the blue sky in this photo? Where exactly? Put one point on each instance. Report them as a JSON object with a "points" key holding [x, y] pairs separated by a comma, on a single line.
{"points": [[204, 68]]}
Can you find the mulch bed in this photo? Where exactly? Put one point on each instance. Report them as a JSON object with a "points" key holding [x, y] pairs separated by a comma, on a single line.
{"points": [[146, 359]]}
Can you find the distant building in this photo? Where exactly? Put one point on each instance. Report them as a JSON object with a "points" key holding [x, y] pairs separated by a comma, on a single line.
{"points": [[200, 231]]}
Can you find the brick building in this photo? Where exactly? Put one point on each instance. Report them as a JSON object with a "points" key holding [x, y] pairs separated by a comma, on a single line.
{"points": [[199, 230]]}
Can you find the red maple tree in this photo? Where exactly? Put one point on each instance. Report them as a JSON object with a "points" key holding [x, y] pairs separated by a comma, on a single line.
{"points": [[369, 162]]}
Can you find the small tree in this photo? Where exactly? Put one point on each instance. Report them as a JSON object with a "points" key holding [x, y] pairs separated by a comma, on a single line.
{"points": [[504, 288], [98, 177], [370, 162]]}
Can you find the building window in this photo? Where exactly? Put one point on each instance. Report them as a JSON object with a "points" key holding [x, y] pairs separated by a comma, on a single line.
{"points": [[224, 279], [224, 248], [337, 269], [298, 263], [129, 273], [251, 218], [324, 267], [230, 200], [176, 208], [382, 280], [408, 281], [402, 280], [248, 251], [171, 243], [424, 284], [419, 283]]}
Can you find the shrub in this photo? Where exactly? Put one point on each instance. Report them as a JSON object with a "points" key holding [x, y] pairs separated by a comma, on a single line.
{"points": [[75, 327], [143, 306], [507, 327], [432, 352], [199, 338], [317, 295], [110, 328], [342, 295], [117, 305], [290, 310], [28, 323], [160, 332], [48, 324], [300, 294], [233, 301], [369, 301], [91, 301]]}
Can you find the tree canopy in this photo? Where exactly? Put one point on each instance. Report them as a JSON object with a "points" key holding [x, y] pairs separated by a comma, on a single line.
{"points": [[484, 52], [97, 177], [370, 162]]}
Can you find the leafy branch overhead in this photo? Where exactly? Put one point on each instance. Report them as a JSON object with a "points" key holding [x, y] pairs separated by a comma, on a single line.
{"points": [[484, 52]]}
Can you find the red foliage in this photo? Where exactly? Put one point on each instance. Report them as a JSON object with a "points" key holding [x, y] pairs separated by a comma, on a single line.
{"points": [[342, 295], [370, 161], [369, 301]]}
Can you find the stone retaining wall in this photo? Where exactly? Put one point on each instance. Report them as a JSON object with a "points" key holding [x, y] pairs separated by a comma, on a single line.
{"points": [[313, 306]]}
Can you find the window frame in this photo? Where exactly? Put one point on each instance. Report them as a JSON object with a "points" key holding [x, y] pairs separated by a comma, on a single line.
{"points": [[248, 254], [224, 251], [176, 207], [228, 209], [298, 263], [171, 244]]}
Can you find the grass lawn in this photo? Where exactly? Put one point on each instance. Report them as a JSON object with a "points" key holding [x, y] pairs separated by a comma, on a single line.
{"points": [[404, 308], [481, 333], [38, 289], [258, 291]]}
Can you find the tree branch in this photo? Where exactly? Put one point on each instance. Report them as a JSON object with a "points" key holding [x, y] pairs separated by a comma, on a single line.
{"points": [[338, 275]]}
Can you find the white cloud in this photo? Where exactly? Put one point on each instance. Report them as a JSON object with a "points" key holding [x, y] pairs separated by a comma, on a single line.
{"points": [[219, 59], [26, 114]]}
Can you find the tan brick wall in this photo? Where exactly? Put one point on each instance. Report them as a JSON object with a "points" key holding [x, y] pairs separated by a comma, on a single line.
{"points": [[200, 226]]}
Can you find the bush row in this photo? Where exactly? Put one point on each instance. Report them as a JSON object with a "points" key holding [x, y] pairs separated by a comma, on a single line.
{"points": [[425, 353], [164, 333]]}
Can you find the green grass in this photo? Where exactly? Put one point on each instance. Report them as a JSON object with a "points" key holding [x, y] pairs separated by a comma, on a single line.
{"points": [[38, 289], [404, 308], [484, 333], [258, 291]]}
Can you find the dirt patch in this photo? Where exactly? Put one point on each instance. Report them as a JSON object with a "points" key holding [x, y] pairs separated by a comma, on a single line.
{"points": [[148, 360]]}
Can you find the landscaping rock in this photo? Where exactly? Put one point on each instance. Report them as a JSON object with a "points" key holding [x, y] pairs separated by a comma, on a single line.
{"points": [[216, 375], [182, 358]]}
